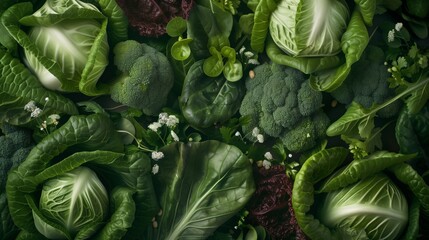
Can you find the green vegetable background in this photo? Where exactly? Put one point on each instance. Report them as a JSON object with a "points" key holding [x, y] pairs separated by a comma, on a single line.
{"points": [[214, 119]]}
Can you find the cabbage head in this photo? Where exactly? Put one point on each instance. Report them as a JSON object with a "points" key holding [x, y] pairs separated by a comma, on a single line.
{"points": [[318, 37], [81, 182], [309, 28], [73, 199], [374, 206], [64, 43]]}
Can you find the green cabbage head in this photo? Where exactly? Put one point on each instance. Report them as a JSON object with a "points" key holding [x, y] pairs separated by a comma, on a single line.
{"points": [[374, 206], [74, 200], [309, 28], [66, 45]]}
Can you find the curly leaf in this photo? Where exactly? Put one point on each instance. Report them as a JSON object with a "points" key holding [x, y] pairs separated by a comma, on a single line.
{"points": [[200, 186], [314, 169], [261, 24], [18, 86], [406, 174], [362, 168], [118, 22], [306, 65], [83, 132], [353, 43]]}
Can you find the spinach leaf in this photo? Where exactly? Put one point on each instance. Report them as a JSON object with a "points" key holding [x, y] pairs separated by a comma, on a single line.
{"points": [[200, 186], [412, 132], [206, 101]]}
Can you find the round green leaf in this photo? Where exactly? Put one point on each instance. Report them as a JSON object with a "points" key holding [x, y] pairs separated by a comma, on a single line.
{"points": [[181, 50], [213, 65], [176, 27], [233, 71]]}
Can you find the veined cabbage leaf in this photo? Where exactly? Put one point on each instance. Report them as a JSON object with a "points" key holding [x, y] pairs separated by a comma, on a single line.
{"points": [[200, 185], [374, 205], [83, 141], [67, 45], [18, 87], [322, 38], [309, 28]]}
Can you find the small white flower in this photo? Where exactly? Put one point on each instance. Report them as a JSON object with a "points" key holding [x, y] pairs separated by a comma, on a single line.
{"points": [[36, 112], [242, 50], [253, 61], [398, 26], [391, 36], [154, 126], [43, 125], [54, 118], [268, 156], [255, 131], [46, 99], [249, 54], [155, 169], [157, 155], [308, 135], [289, 155], [30, 106], [237, 134], [172, 121], [260, 138], [174, 135], [266, 164], [163, 118]]}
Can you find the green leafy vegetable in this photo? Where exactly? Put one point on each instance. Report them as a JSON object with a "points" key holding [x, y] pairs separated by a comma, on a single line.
{"points": [[314, 169], [206, 101], [200, 186], [357, 118], [99, 149], [315, 36], [412, 132], [74, 68], [366, 207], [363, 168], [18, 87]]}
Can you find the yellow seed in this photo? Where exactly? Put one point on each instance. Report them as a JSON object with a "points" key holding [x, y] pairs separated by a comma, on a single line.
{"points": [[252, 74]]}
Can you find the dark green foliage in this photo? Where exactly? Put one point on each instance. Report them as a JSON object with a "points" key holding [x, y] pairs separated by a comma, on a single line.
{"points": [[368, 84], [15, 144]]}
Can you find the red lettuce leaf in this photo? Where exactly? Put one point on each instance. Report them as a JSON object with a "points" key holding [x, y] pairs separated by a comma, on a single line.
{"points": [[271, 205], [149, 17]]}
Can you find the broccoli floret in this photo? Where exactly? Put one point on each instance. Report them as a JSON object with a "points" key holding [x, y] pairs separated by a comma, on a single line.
{"points": [[15, 145], [6, 146], [301, 136], [145, 79], [280, 101], [367, 84]]}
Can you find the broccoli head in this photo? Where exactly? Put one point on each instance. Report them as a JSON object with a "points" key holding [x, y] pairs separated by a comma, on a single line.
{"points": [[367, 83], [15, 144], [280, 101], [145, 77]]}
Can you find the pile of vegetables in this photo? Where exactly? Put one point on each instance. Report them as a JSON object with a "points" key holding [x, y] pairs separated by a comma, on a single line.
{"points": [[214, 119]]}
